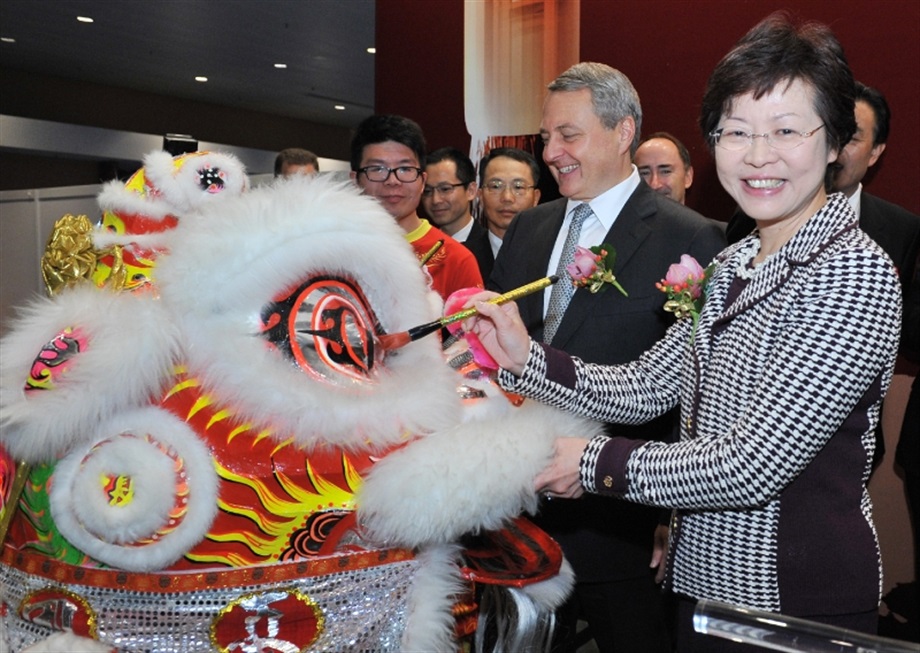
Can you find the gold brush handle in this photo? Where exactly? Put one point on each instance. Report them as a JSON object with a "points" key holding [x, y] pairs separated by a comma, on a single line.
{"points": [[511, 295], [431, 252]]}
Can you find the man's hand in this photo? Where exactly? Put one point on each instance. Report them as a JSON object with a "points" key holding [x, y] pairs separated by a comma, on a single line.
{"points": [[659, 551]]}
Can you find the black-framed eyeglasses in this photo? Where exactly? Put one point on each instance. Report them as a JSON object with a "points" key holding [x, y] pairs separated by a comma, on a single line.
{"points": [[780, 139], [405, 174], [440, 189], [497, 187]]}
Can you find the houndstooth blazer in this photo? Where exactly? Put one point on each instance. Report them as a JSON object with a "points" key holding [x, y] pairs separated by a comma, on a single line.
{"points": [[779, 393]]}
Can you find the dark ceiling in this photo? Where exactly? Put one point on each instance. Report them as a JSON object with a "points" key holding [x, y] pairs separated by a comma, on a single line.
{"points": [[162, 45]]}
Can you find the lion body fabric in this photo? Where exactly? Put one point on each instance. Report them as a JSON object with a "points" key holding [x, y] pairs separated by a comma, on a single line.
{"points": [[223, 457]]}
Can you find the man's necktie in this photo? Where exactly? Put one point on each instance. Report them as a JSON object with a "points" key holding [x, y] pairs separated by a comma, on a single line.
{"points": [[563, 290]]}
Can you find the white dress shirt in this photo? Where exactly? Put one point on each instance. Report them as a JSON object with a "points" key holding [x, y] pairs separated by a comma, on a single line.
{"points": [[606, 208], [463, 233], [855, 200], [495, 242]]}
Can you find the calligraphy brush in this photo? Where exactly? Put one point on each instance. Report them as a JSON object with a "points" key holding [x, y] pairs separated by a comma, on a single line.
{"points": [[396, 340], [431, 252]]}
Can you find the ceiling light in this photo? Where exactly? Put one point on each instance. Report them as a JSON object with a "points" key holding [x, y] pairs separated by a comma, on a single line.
{"points": [[84, 19], [340, 107], [7, 39], [372, 50], [280, 65], [201, 78]]}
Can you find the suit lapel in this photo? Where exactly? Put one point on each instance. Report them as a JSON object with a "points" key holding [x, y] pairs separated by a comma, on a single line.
{"points": [[874, 223], [543, 227], [630, 229]]}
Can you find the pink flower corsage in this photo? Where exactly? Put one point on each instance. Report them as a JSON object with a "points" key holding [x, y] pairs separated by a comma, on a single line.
{"points": [[593, 268], [685, 284]]}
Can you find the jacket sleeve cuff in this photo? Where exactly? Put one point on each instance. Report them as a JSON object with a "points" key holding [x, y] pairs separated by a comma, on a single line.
{"points": [[560, 368], [602, 469], [543, 364]]}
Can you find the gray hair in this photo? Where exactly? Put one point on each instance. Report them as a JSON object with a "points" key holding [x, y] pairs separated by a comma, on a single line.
{"points": [[612, 94]]}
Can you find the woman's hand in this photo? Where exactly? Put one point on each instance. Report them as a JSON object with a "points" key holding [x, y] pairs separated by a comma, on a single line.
{"points": [[560, 478], [500, 330]]}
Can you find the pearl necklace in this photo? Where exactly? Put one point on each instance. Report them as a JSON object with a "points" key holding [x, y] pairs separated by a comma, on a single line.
{"points": [[746, 269]]}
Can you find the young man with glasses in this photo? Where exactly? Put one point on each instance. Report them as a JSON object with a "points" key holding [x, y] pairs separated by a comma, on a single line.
{"points": [[508, 179], [449, 190], [386, 156]]}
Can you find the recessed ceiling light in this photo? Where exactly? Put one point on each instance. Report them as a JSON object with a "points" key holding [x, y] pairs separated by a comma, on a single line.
{"points": [[84, 19], [280, 65], [372, 50], [7, 39], [201, 78], [340, 107]]}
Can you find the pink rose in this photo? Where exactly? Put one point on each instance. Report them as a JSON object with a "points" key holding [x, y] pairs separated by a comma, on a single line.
{"points": [[688, 273], [584, 265]]}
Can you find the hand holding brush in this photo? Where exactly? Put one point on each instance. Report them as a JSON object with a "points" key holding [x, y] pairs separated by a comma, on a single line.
{"points": [[392, 341]]}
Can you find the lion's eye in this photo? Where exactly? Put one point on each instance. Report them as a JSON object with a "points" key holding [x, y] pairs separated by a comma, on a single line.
{"points": [[327, 328]]}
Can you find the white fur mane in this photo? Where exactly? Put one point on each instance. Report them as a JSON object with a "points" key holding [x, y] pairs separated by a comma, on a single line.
{"points": [[226, 263], [132, 348]]}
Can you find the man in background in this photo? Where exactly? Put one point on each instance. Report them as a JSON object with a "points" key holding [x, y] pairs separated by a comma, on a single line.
{"points": [[664, 164], [508, 179], [386, 156], [295, 161], [447, 199], [896, 229]]}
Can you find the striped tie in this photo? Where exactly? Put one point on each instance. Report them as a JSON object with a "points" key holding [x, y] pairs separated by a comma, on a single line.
{"points": [[562, 291]]}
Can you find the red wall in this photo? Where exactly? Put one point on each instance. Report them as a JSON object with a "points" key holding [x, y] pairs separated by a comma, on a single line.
{"points": [[419, 67], [667, 48]]}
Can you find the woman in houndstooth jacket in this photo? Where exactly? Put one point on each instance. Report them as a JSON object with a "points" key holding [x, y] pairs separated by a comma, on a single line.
{"points": [[781, 380]]}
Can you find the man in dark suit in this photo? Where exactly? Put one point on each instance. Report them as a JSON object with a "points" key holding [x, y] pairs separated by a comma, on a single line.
{"points": [[894, 228], [508, 184], [897, 231], [446, 198], [590, 128]]}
